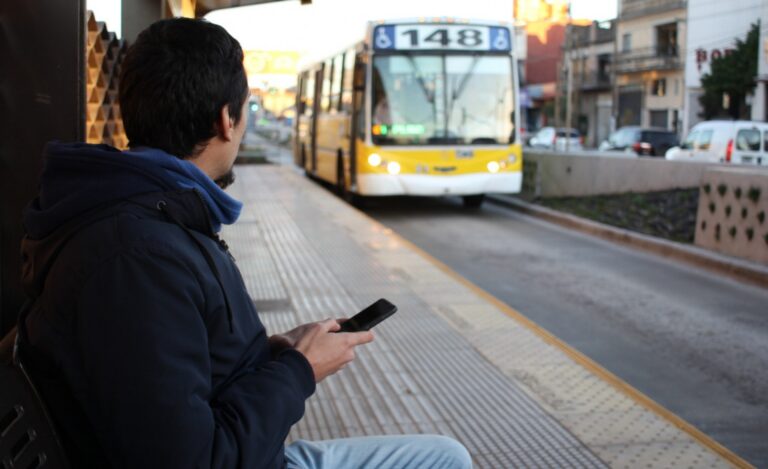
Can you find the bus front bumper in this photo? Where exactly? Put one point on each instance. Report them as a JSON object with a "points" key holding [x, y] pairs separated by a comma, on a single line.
{"points": [[419, 184]]}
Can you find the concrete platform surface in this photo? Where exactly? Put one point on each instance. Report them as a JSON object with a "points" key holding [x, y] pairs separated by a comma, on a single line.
{"points": [[453, 360]]}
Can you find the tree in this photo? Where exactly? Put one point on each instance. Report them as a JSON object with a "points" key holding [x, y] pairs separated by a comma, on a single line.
{"points": [[731, 79]]}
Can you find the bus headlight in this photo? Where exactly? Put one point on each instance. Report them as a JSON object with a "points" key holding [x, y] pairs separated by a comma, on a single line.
{"points": [[511, 159], [374, 159], [393, 167], [493, 166]]}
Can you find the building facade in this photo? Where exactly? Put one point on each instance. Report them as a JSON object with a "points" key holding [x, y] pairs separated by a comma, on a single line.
{"points": [[760, 101], [589, 51], [713, 28], [545, 23], [649, 63]]}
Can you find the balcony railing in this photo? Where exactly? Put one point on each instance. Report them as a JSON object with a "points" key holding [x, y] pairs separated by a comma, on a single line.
{"points": [[593, 81], [637, 8], [665, 57]]}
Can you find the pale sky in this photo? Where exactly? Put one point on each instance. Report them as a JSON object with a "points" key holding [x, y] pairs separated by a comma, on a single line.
{"points": [[328, 25]]}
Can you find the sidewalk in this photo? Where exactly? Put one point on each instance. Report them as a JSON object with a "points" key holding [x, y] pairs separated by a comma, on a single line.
{"points": [[453, 360]]}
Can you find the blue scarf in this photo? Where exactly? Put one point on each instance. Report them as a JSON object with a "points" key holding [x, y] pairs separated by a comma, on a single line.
{"points": [[224, 209]]}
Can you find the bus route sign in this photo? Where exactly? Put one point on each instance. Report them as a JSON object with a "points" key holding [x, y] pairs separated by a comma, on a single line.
{"points": [[441, 37]]}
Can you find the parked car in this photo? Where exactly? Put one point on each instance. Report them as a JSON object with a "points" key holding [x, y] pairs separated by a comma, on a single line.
{"points": [[741, 142], [551, 138], [641, 141]]}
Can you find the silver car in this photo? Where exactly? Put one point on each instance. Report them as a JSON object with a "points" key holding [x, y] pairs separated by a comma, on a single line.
{"points": [[560, 139]]}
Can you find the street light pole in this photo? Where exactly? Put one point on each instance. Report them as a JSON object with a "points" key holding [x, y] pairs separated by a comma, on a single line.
{"points": [[569, 96]]}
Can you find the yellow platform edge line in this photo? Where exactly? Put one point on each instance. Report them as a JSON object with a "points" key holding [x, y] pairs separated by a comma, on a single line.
{"points": [[579, 357]]}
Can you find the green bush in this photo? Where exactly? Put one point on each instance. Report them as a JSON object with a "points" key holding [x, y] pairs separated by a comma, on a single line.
{"points": [[754, 194], [722, 189]]}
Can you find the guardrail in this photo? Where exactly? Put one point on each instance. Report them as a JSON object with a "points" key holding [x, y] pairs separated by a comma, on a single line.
{"points": [[584, 173]]}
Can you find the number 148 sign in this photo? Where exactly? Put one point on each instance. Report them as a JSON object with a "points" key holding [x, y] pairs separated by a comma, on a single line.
{"points": [[441, 37]]}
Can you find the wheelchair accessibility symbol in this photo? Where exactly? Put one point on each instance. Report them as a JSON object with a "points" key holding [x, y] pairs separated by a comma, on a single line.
{"points": [[384, 37], [500, 39]]}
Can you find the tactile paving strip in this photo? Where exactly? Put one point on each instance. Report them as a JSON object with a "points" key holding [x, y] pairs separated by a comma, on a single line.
{"points": [[449, 362]]}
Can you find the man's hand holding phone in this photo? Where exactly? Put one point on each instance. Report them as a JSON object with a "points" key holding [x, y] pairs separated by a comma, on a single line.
{"points": [[327, 352]]}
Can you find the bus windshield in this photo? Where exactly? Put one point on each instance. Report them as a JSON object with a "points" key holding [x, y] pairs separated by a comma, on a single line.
{"points": [[421, 99]]}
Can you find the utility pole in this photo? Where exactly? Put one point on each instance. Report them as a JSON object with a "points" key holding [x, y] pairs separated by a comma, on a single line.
{"points": [[569, 84], [558, 88]]}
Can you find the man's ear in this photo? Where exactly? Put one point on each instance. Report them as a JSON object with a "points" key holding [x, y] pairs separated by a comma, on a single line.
{"points": [[225, 124]]}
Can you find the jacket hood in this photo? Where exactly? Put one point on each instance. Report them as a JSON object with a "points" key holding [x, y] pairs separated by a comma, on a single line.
{"points": [[78, 178]]}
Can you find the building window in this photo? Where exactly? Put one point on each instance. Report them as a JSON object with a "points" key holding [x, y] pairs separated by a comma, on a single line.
{"points": [[659, 87], [626, 42], [666, 40], [604, 68]]}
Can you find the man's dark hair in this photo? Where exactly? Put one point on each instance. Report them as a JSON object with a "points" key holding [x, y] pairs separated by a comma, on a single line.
{"points": [[175, 80]]}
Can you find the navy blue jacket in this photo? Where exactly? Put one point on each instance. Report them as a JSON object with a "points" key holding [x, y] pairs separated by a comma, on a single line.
{"points": [[143, 338]]}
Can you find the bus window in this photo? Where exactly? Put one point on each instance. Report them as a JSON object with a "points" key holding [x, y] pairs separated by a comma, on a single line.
{"points": [[347, 81], [325, 99], [308, 92], [336, 84]]}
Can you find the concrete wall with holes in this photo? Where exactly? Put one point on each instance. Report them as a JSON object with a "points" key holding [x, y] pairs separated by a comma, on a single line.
{"points": [[550, 174], [733, 206]]}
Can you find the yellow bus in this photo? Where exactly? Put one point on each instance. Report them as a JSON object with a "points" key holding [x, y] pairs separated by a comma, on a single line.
{"points": [[422, 107]]}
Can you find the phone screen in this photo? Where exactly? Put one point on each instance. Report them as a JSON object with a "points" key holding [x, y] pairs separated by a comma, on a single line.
{"points": [[369, 317]]}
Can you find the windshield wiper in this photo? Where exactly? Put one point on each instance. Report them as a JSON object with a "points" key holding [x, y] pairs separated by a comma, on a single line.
{"points": [[465, 79], [419, 79]]}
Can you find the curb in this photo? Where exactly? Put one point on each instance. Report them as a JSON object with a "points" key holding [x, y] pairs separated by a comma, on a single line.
{"points": [[738, 269]]}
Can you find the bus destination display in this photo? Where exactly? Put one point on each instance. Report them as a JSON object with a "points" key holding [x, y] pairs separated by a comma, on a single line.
{"points": [[441, 37]]}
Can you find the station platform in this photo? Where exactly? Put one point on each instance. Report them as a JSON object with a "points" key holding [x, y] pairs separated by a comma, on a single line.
{"points": [[453, 360]]}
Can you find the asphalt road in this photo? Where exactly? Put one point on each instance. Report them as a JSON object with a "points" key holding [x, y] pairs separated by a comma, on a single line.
{"points": [[695, 342]]}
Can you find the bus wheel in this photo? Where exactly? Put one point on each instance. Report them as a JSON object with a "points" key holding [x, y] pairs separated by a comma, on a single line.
{"points": [[473, 201]]}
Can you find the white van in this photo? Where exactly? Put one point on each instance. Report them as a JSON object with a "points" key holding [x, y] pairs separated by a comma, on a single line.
{"points": [[739, 142]]}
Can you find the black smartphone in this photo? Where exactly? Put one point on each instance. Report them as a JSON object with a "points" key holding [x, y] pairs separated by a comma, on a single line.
{"points": [[369, 317]]}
